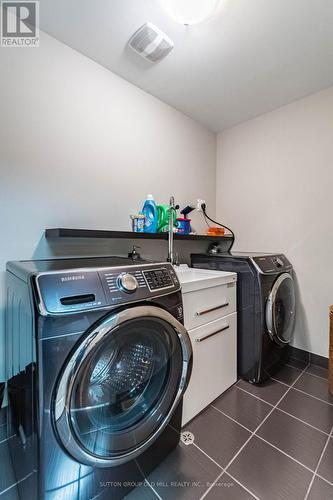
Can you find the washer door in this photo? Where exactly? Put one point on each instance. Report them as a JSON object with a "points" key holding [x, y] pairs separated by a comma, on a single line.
{"points": [[121, 386], [280, 309]]}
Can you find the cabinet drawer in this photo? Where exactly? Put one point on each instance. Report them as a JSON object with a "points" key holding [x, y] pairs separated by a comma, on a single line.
{"points": [[214, 364], [203, 306]]}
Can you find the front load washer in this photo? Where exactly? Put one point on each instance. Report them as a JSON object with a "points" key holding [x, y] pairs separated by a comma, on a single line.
{"points": [[97, 363], [265, 309]]}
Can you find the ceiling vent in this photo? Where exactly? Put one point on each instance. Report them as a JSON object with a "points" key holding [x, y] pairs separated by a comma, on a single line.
{"points": [[151, 43]]}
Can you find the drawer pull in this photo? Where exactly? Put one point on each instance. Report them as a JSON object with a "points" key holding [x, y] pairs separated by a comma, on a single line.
{"points": [[201, 339], [205, 311]]}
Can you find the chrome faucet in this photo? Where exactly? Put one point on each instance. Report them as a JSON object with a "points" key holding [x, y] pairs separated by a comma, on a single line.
{"points": [[172, 210]]}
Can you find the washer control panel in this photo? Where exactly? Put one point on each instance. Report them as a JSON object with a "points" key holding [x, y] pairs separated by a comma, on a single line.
{"points": [[87, 289], [157, 279], [138, 282]]}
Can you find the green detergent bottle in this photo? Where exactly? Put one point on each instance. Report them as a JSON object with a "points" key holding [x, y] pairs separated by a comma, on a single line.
{"points": [[163, 218]]}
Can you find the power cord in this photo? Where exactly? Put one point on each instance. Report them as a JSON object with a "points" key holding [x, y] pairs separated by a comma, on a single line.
{"points": [[206, 216]]}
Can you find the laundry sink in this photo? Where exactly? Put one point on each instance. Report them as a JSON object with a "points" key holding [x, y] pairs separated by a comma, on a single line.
{"points": [[196, 279]]}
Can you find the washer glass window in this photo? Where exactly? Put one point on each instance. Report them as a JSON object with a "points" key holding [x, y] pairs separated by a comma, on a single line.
{"points": [[280, 313], [125, 387]]}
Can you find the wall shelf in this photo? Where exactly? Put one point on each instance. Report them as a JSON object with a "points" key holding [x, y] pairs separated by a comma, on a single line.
{"points": [[100, 233]]}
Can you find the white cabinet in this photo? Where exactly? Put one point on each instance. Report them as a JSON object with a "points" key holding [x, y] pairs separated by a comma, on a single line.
{"points": [[214, 364], [211, 320]]}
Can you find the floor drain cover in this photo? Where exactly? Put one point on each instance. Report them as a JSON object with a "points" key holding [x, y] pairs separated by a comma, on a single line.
{"points": [[187, 438]]}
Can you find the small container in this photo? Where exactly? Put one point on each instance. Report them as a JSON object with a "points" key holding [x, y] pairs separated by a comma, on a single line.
{"points": [[215, 231], [184, 225], [138, 223]]}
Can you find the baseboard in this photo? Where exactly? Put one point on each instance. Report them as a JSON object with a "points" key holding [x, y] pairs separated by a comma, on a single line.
{"points": [[308, 357]]}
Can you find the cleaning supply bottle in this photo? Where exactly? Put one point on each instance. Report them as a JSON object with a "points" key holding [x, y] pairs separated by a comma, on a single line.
{"points": [[150, 212]]}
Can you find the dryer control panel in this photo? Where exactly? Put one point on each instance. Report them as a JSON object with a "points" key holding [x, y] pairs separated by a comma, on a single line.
{"points": [[73, 291], [272, 264]]}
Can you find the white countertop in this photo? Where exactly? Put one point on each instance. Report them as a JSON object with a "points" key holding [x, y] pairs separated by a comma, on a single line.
{"points": [[193, 279]]}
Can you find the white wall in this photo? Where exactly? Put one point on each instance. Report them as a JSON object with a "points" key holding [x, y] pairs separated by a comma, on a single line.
{"points": [[274, 187], [80, 147]]}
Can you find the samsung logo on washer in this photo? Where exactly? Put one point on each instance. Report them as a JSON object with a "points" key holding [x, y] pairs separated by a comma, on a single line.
{"points": [[73, 278]]}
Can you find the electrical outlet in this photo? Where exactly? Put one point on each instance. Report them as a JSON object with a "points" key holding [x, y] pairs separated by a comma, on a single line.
{"points": [[199, 203]]}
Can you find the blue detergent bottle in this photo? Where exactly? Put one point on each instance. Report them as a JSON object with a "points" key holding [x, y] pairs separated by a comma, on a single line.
{"points": [[150, 212]]}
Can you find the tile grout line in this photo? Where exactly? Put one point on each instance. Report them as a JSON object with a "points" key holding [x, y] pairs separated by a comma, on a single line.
{"points": [[284, 453], [212, 460], [254, 395], [319, 462], [146, 480], [304, 392], [265, 441], [316, 376], [324, 479], [309, 373], [7, 439], [151, 487], [245, 488], [208, 456], [284, 411], [231, 418], [263, 421], [18, 482], [311, 396], [280, 381], [294, 367], [303, 422], [212, 485], [220, 475]]}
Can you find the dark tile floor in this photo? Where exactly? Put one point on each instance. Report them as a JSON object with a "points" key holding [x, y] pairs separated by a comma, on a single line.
{"points": [[270, 442]]}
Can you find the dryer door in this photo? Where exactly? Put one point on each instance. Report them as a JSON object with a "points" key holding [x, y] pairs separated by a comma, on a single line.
{"points": [[121, 385], [280, 309]]}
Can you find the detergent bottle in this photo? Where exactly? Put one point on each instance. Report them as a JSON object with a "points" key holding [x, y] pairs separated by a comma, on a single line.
{"points": [[150, 212]]}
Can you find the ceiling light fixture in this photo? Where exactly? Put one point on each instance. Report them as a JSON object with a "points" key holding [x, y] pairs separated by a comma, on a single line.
{"points": [[190, 11]]}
